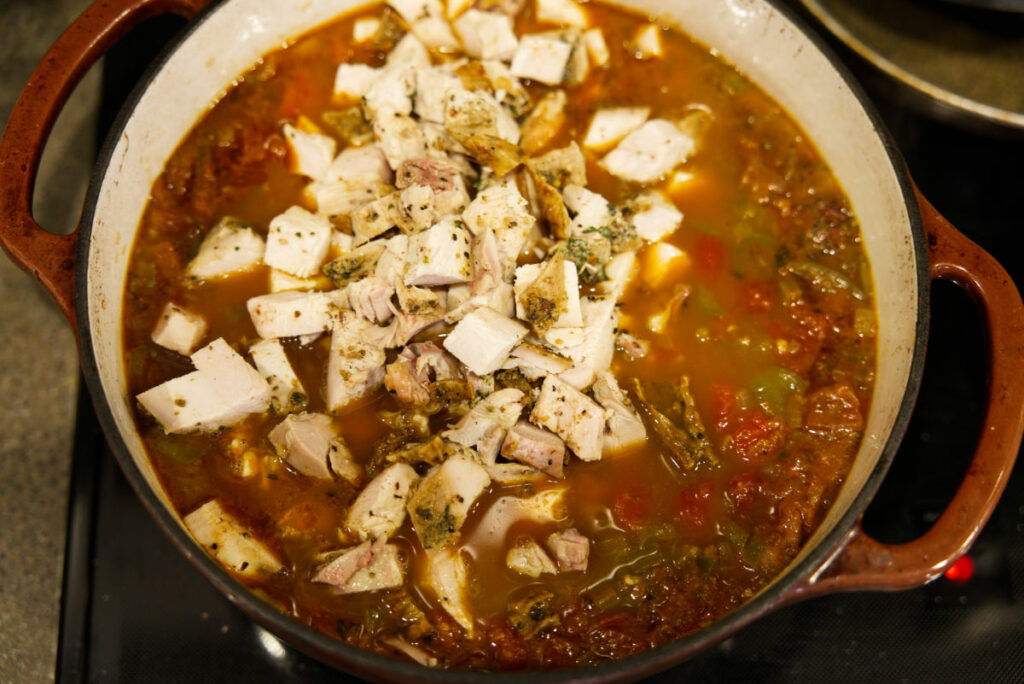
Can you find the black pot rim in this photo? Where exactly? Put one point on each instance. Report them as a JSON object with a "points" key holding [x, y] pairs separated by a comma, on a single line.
{"points": [[379, 667]]}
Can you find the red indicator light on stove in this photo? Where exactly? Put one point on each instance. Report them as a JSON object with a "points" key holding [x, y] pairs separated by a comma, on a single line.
{"points": [[961, 571]]}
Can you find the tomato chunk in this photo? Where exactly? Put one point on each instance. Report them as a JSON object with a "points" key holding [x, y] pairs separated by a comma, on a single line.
{"points": [[758, 437], [723, 406], [757, 297], [694, 506], [709, 255], [743, 490], [632, 508]]}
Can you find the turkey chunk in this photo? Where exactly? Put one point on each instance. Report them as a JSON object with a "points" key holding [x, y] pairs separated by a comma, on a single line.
{"points": [[547, 506], [561, 12], [364, 29], [355, 366], [287, 394], [221, 391], [230, 542], [447, 575], [611, 125], [230, 247], [624, 427], [426, 20], [235, 382], [351, 81], [478, 113], [655, 216], [535, 447], [439, 256], [297, 242], [541, 58], [571, 415], [311, 153], [649, 152], [343, 464], [502, 209], [537, 359], [570, 548], [486, 35], [400, 137], [418, 204], [364, 568], [592, 349], [303, 440], [371, 298], [433, 83], [514, 474], [379, 510], [392, 91], [597, 48], [292, 314], [390, 265], [178, 329], [485, 425], [188, 404], [364, 165], [483, 339], [442, 176], [409, 51], [355, 177], [646, 42], [591, 209], [545, 289], [441, 501], [528, 558]]}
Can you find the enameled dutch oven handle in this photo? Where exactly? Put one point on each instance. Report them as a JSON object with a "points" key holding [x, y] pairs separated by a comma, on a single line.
{"points": [[864, 563], [48, 257]]}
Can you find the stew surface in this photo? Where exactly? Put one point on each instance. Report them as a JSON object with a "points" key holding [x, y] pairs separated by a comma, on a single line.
{"points": [[736, 301]]}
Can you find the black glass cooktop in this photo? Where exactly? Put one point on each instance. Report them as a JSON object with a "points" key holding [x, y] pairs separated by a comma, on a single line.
{"points": [[135, 611]]}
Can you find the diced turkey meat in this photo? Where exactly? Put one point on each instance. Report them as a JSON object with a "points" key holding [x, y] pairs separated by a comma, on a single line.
{"points": [[178, 329], [528, 558], [571, 415], [364, 568], [441, 500], [355, 365], [303, 440], [535, 447], [570, 549], [379, 510], [230, 247], [230, 542]]}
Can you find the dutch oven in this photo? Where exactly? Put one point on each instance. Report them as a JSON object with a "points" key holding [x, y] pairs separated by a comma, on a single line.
{"points": [[907, 241]]}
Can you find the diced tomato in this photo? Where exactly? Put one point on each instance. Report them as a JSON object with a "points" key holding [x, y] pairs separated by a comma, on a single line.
{"points": [[834, 407], [743, 490], [709, 255], [508, 647], [694, 506], [723, 406], [756, 297], [758, 437], [803, 334], [632, 508]]}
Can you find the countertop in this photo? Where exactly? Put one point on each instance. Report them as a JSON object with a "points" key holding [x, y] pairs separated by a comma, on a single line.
{"points": [[38, 363]]}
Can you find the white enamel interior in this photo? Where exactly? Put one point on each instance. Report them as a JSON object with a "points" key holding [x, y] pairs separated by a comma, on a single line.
{"points": [[748, 33]]}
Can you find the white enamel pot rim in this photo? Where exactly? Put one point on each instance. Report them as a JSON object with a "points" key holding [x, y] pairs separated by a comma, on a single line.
{"points": [[764, 39]]}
